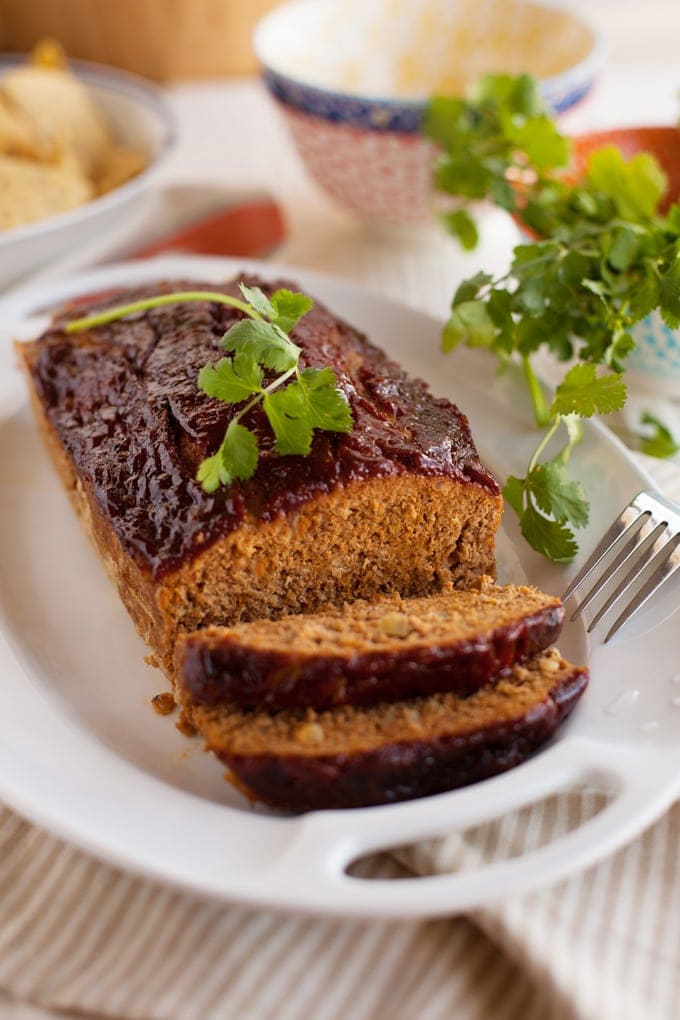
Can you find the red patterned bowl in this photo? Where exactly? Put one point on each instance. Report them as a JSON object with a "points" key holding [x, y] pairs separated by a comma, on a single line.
{"points": [[352, 79]]}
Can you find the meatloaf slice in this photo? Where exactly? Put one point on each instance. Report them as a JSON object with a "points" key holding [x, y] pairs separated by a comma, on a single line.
{"points": [[400, 504], [370, 651], [346, 757]]}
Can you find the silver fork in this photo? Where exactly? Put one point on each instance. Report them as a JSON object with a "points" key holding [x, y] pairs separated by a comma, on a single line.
{"points": [[636, 555]]}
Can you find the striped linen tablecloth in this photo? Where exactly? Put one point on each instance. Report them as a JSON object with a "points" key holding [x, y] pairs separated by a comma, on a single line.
{"points": [[80, 937]]}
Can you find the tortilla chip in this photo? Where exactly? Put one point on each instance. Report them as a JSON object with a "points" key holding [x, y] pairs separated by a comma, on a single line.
{"points": [[18, 136], [32, 191], [56, 150], [62, 112]]}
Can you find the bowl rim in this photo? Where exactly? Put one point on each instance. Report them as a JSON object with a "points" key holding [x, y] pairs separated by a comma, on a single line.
{"points": [[135, 87], [583, 69], [669, 130]]}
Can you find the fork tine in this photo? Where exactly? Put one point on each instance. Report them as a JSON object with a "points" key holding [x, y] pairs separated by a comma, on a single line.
{"points": [[636, 562], [612, 538], [661, 574], [630, 548], [623, 546]]}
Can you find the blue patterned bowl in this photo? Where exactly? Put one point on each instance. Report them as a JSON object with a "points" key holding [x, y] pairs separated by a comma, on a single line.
{"points": [[657, 356], [352, 78]]}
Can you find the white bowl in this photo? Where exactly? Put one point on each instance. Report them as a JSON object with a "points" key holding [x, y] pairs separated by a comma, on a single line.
{"points": [[352, 79], [139, 116]]}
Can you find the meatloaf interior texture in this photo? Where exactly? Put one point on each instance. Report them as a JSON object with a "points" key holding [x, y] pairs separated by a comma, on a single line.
{"points": [[401, 504]]}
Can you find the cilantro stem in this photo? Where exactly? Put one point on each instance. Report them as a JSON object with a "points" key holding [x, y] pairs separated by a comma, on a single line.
{"points": [[540, 406], [279, 381], [544, 442], [121, 311], [495, 284]]}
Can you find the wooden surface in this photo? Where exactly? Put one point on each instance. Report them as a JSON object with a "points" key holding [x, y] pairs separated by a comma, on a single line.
{"points": [[167, 40]]}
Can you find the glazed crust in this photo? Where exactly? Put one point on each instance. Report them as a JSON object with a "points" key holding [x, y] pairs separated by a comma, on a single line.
{"points": [[230, 665], [454, 754]]}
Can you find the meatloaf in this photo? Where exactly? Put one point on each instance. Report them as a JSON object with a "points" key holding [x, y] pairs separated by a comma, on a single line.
{"points": [[368, 652], [400, 504], [301, 759]]}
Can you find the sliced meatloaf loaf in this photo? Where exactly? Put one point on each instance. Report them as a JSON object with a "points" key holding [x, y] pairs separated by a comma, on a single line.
{"points": [[370, 651], [400, 504], [301, 760]]}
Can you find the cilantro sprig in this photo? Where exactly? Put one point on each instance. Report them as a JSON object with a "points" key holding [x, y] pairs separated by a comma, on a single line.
{"points": [[548, 502], [296, 401], [604, 258], [499, 135]]}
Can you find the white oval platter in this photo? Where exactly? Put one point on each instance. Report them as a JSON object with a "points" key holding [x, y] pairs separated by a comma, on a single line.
{"points": [[83, 754]]}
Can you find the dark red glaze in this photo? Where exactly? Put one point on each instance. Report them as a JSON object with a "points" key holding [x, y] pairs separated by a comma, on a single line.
{"points": [[215, 670], [124, 401], [405, 770]]}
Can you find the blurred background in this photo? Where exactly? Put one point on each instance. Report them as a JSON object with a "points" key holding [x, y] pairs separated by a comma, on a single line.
{"points": [[171, 40], [167, 40]]}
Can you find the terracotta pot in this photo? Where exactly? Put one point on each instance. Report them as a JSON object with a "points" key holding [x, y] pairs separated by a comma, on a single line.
{"points": [[663, 142]]}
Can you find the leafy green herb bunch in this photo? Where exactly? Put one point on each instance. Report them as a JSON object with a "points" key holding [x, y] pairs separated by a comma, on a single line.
{"points": [[604, 257]]}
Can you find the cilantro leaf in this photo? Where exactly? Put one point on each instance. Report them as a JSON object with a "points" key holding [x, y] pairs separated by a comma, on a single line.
{"points": [[636, 187], [540, 140], [519, 95], [326, 405], [548, 502], [258, 300], [469, 289], [460, 173], [657, 440], [236, 457], [289, 308], [551, 538], [644, 297], [469, 323], [311, 402], [558, 495], [441, 119], [231, 379], [582, 392], [461, 225], [263, 341], [530, 260], [212, 473], [239, 451], [287, 415], [284, 309], [513, 493], [625, 246]]}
